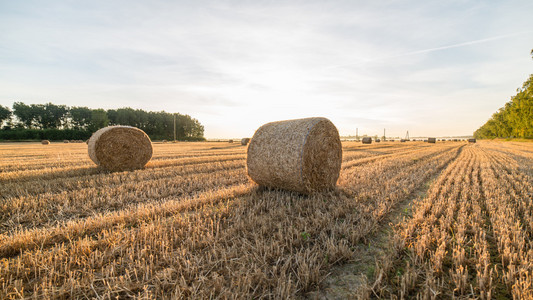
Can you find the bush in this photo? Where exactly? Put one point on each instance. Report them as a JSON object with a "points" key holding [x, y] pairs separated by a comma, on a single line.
{"points": [[45, 134]]}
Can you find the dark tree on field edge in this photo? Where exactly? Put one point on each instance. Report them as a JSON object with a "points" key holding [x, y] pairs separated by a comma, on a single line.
{"points": [[83, 121], [5, 114]]}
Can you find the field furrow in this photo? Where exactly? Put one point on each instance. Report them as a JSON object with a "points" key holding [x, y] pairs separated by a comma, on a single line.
{"points": [[468, 238], [192, 225]]}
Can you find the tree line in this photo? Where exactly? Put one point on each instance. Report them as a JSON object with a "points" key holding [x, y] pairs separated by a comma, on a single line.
{"points": [[515, 119], [57, 122]]}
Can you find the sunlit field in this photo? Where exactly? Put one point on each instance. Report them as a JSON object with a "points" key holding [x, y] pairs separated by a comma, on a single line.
{"points": [[456, 219]]}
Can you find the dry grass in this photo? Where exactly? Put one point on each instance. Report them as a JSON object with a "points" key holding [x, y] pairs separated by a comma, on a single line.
{"points": [[470, 237], [192, 225]]}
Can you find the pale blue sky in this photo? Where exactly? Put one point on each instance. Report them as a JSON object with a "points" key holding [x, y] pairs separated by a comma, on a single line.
{"points": [[434, 68]]}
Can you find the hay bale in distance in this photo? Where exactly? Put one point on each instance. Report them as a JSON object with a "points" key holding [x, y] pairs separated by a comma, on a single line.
{"points": [[367, 140], [378, 140], [230, 141], [302, 155], [432, 140], [245, 141], [66, 141], [402, 141], [45, 142], [119, 148], [471, 140]]}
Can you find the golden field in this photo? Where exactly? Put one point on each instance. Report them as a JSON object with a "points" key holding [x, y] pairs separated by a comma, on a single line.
{"points": [[449, 219]]}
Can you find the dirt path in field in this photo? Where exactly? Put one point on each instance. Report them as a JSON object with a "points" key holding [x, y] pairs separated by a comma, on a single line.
{"points": [[346, 281]]}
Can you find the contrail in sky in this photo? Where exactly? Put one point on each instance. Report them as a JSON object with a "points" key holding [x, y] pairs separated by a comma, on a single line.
{"points": [[499, 37], [464, 44]]}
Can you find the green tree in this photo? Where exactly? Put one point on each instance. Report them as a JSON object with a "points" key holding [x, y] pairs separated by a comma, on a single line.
{"points": [[98, 120], [158, 125], [514, 119], [5, 114], [51, 115], [41, 116], [25, 114], [80, 117], [193, 128]]}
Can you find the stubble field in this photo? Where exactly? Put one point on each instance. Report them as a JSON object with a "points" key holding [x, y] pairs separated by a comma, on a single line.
{"points": [[406, 220]]}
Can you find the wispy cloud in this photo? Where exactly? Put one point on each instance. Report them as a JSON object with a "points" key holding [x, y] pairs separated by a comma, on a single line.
{"points": [[356, 62]]}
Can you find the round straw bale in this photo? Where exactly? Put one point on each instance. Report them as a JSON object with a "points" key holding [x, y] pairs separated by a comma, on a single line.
{"points": [[66, 141], [45, 142], [367, 140], [119, 148], [245, 141], [302, 155], [432, 140]]}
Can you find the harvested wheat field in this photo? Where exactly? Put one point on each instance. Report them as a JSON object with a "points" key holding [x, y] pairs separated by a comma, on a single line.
{"points": [[405, 220]]}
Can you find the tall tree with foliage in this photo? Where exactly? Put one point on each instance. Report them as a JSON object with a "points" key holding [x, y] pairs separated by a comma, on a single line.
{"points": [[41, 116], [24, 114], [515, 119], [5, 114], [99, 120], [51, 115], [80, 117]]}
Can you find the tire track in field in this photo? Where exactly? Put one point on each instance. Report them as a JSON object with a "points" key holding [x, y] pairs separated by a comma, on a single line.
{"points": [[43, 210], [44, 163], [42, 238], [69, 172], [17, 189]]}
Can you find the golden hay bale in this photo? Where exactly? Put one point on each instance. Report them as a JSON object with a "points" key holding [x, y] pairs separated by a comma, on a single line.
{"points": [[367, 140], [471, 140], [66, 141], [45, 142], [230, 141], [302, 155], [432, 140], [245, 141], [119, 148]]}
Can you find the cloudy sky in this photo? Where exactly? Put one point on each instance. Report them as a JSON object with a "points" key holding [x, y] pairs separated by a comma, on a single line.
{"points": [[434, 68]]}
